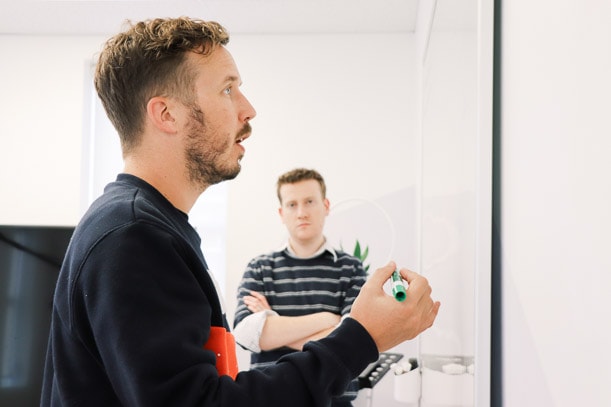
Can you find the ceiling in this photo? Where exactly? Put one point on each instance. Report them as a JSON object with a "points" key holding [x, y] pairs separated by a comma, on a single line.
{"points": [[104, 17]]}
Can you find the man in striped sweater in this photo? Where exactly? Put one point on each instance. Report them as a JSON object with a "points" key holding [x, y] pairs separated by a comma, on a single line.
{"points": [[302, 291]]}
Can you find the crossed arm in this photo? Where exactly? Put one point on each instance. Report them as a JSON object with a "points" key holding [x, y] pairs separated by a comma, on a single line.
{"points": [[292, 332]]}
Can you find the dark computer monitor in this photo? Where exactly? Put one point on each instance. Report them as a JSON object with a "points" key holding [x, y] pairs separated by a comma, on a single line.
{"points": [[30, 259]]}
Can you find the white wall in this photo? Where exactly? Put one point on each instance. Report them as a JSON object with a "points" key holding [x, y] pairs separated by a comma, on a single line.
{"points": [[343, 104], [555, 202], [456, 201], [41, 119]]}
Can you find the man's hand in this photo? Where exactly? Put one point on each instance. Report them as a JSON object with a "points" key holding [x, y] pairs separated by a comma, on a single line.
{"points": [[388, 321], [256, 302]]}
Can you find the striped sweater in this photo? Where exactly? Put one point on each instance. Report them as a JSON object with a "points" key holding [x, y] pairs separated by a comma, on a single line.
{"points": [[299, 286]]}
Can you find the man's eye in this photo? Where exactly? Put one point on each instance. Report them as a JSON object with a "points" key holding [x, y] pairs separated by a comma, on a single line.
{"points": [[227, 91]]}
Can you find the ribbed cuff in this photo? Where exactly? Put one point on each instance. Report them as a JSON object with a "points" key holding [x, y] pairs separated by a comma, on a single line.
{"points": [[352, 345]]}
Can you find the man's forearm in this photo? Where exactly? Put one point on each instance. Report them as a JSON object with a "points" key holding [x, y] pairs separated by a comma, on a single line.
{"points": [[298, 345], [281, 331]]}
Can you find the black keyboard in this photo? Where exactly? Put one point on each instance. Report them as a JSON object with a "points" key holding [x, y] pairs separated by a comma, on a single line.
{"points": [[376, 370]]}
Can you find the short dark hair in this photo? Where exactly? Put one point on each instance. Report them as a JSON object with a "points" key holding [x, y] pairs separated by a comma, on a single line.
{"points": [[300, 174], [148, 60]]}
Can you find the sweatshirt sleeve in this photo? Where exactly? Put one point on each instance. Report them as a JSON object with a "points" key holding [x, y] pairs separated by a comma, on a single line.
{"points": [[139, 307]]}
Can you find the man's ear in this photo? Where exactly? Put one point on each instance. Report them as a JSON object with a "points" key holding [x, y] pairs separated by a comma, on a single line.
{"points": [[160, 113], [280, 214]]}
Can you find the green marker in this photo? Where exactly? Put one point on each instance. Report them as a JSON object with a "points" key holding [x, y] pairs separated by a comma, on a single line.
{"points": [[398, 289]]}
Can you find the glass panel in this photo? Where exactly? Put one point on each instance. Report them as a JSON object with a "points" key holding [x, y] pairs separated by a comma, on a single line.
{"points": [[451, 178]]}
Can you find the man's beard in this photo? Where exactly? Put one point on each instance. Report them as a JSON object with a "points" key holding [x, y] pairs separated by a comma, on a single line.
{"points": [[204, 162]]}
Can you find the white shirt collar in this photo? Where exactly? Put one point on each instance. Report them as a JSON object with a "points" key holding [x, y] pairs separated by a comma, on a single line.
{"points": [[325, 247]]}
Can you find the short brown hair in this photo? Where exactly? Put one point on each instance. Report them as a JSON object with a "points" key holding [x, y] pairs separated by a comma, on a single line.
{"points": [[300, 174], [147, 60]]}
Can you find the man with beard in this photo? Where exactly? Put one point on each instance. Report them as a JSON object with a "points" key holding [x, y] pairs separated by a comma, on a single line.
{"points": [[136, 318]]}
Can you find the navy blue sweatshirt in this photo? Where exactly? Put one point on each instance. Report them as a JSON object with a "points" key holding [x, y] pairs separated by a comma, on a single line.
{"points": [[133, 307]]}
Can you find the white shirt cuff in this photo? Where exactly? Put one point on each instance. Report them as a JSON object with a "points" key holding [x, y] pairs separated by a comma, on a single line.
{"points": [[248, 332]]}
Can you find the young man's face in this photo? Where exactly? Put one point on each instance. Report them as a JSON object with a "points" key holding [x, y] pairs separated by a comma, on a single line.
{"points": [[219, 120], [303, 210]]}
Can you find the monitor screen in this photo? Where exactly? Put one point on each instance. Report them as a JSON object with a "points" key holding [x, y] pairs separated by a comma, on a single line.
{"points": [[30, 259]]}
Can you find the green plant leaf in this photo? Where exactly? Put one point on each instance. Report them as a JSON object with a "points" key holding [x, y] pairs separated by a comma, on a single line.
{"points": [[357, 250], [365, 253], [361, 255]]}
